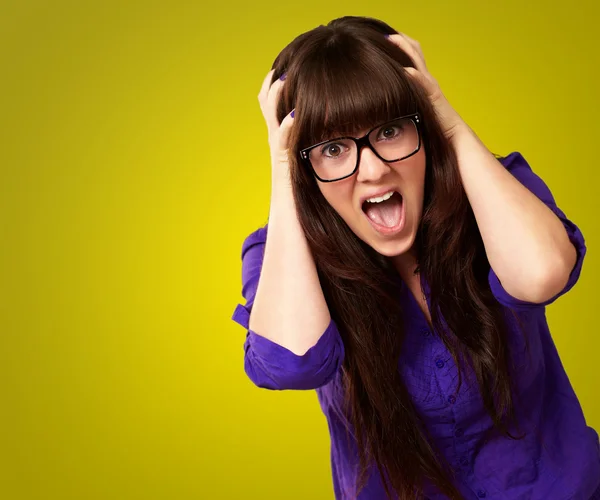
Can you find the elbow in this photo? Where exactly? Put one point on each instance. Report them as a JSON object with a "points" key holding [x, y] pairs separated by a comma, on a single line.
{"points": [[284, 382], [544, 290], [274, 367], [556, 278], [280, 378], [557, 273], [550, 280]]}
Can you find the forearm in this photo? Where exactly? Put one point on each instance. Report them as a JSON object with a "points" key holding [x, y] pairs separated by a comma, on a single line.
{"points": [[289, 308], [525, 242]]}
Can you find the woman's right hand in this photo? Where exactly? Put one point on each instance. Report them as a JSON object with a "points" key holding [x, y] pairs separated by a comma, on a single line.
{"points": [[278, 134], [289, 307]]}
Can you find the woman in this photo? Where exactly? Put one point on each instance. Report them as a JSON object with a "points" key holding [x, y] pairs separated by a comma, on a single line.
{"points": [[403, 275]]}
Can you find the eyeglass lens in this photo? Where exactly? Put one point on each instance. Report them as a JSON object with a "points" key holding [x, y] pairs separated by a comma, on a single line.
{"points": [[337, 158]]}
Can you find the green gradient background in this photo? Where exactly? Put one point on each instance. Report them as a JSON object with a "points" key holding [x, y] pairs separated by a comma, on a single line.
{"points": [[134, 162]]}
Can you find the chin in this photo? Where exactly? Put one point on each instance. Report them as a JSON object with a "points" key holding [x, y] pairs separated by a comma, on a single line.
{"points": [[393, 248]]}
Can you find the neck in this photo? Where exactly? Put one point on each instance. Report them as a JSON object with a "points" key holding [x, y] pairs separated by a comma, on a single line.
{"points": [[406, 264]]}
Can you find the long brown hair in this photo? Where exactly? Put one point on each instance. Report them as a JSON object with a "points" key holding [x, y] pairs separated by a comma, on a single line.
{"points": [[345, 77]]}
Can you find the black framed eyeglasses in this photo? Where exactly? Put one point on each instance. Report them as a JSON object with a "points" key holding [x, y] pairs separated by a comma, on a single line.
{"points": [[336, 159]]}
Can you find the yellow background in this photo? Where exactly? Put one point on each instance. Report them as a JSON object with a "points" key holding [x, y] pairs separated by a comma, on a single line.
{"points": [[133, 164]]}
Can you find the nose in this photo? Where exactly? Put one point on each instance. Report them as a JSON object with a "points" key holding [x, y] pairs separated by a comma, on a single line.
{"points": [[370, 167]]}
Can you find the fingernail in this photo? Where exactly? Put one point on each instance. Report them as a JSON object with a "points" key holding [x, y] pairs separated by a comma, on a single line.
{"points": [[282, 77], [292, 115]]}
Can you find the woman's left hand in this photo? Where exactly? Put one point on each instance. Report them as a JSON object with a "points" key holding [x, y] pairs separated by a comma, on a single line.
{"points": [[449, 118]]}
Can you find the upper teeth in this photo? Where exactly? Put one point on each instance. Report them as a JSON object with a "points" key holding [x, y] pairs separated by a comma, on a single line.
{"points": [[379, 199]]}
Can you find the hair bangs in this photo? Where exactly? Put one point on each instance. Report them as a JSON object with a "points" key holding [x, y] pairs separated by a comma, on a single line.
{"points": [[347, 91]]}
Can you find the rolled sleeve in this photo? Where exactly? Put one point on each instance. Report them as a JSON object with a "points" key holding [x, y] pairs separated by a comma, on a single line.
{"points": [[518, 166], [268, 364]]}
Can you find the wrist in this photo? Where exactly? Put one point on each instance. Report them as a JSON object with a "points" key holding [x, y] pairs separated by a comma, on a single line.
{"points": [[280, 178], [450, 121]]}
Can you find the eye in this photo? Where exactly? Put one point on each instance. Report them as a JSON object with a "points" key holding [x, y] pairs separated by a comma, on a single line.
{"points": [[332, 150], [388, 132]]}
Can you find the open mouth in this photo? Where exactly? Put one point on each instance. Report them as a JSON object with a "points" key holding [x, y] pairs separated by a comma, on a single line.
{"points": [[385, 216]]}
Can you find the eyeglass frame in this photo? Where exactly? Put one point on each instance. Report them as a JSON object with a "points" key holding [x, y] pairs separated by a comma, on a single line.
{"points": [[363, 142]]}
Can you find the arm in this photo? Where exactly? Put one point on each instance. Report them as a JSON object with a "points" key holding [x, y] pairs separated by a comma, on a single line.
{"points": [[289, 307], [525, 241], [520, 169], [267, 363], [292, 341]]}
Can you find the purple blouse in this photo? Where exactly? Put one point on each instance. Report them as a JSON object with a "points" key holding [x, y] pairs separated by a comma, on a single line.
{"points": [[565, 464]]}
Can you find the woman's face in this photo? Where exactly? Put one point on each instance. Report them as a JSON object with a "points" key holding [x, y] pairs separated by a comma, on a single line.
{"points": [[389, 227]]}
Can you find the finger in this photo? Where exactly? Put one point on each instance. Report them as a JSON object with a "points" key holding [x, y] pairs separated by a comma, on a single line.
{"points": [[264, 89], [269, 113], [411, 40], [416, 45], [415, 73], [430, 86], [271, 102], [285, 129], [416, 52], [402, 42]]}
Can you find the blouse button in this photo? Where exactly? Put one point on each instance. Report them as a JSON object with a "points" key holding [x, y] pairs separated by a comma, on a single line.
{"points": [[481, 493], [458, 433], [425, 333], [464, 461], [439, 363], [451, 399]]}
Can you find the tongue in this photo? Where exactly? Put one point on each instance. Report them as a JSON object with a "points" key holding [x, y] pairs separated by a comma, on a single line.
{"points": [[387, 213]]}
